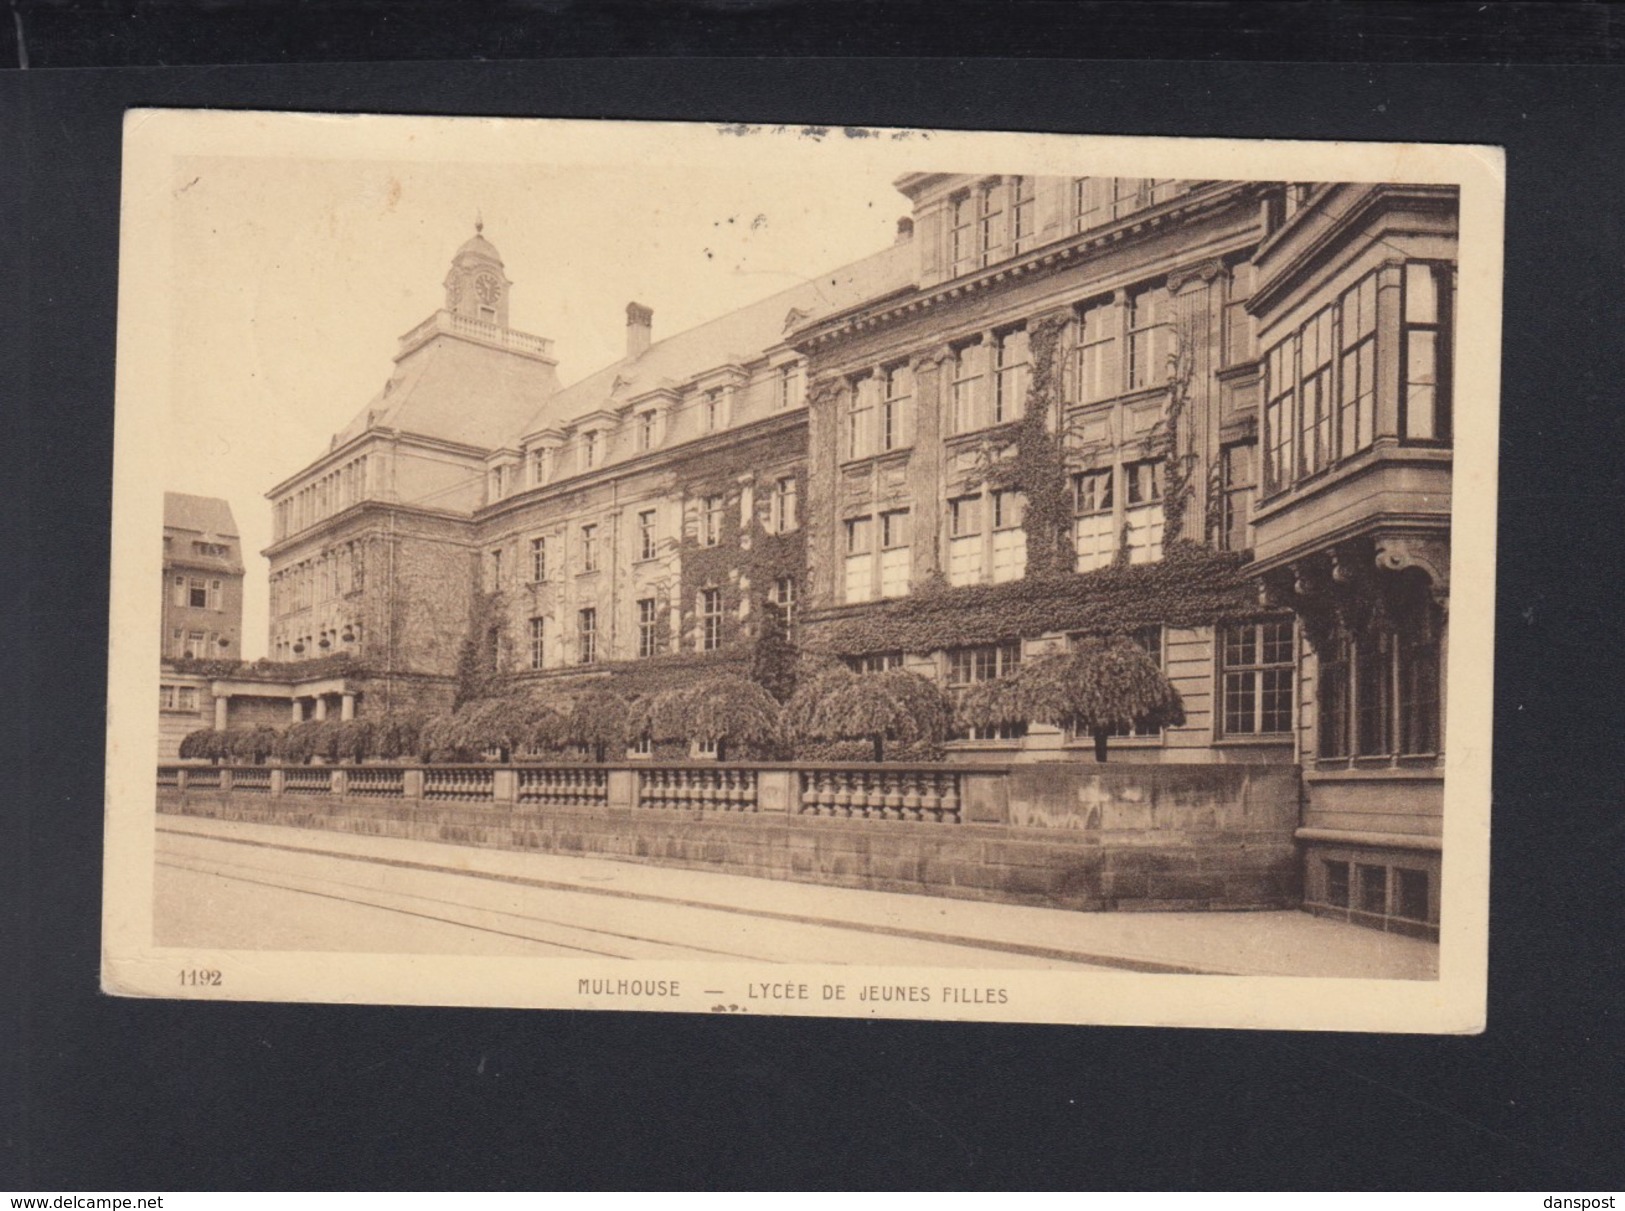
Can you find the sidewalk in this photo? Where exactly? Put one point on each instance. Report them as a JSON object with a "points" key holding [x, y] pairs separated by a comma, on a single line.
{"points": [[1285, 943]]}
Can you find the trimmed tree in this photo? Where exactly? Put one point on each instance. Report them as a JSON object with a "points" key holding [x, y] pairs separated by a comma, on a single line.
{"points": [[503, 724], [990, 704], [1100, 686], [444, 738], [895, 706], [546, 725], [727, 710], [205, 744], [351, 740], [252, 745], [395, 735], [299, 742], [598, 721]]}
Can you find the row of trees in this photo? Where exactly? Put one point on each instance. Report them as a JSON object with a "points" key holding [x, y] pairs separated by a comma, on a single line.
{"points": [[1096, 688]]}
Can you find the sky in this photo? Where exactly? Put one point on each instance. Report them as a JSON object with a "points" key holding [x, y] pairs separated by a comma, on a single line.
{"points": [[292, 279]]}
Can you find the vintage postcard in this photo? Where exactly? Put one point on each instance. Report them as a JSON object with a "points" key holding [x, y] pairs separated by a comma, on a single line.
{"points": [[762, 569]]}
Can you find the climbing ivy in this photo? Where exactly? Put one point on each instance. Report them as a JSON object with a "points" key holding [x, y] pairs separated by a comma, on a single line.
{"points": [[1190, 586], [339, 664], [478, 673], [1030, 458]]}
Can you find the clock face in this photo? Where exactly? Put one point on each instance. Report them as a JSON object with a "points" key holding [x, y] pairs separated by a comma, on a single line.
{"points": [[487, 287]]}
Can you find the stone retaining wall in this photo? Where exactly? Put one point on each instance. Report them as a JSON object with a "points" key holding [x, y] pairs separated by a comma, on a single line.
{"points": [[1073, 835]]}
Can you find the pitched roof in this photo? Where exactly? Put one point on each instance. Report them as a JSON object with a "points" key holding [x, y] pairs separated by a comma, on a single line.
{"points": [[458, 390], [202, 514], [741, 335]]}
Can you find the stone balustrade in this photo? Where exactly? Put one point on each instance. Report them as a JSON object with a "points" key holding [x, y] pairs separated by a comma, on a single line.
{"points": [[385, 782], [698, 788], [459, 783], [297, 780], [563, 786]]}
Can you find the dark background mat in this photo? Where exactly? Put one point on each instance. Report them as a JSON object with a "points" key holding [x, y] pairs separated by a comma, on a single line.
{"points": [[100, 1093]]}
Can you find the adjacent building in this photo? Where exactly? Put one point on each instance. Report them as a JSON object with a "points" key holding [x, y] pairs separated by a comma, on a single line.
{"points": [[1212, 415], [202, 612]]}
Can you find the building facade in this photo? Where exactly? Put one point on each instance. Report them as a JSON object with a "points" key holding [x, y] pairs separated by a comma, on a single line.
{"points": [[1211, 415], [202, 612]]}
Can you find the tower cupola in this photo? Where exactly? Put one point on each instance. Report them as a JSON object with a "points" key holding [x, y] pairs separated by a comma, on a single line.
{"points": [[476, 286]]}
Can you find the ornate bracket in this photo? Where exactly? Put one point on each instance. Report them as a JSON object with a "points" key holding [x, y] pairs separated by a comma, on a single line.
{"points": [[825, 392], [1401, 552], [931, 358], [1206, 271]]}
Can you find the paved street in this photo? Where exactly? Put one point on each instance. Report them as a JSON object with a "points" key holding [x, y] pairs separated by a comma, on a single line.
{"points": [[256, 887]]}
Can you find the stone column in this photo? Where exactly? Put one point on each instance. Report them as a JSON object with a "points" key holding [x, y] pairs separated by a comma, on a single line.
{"points": [[347, 705], [296, 714], [220, 714], [321, 706]]}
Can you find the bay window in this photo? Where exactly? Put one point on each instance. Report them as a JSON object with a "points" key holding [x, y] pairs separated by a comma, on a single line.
{"points": [[1357, 387], [1281, 379], [1425, 398], [1315, 354]]}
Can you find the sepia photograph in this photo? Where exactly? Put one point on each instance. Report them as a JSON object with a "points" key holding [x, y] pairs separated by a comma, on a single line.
{"points": [[803, 570]]}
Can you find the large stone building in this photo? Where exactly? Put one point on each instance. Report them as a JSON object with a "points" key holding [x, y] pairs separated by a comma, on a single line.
{"points": [[1212, 415], [202, 612]]}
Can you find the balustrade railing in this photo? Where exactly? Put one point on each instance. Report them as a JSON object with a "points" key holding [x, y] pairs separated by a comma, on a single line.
{"points": [[307, 780], [460, 784], [566, 787], [927, 794], [724, 789], [254, 779], [376, 783], [872, 794]]}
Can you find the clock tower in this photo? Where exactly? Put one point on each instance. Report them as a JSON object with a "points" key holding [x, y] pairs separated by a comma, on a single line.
{"points": [[476, 286]]}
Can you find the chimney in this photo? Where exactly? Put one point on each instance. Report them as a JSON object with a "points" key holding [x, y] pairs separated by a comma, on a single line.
{"points": [[905, 230], [639, 324]]}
